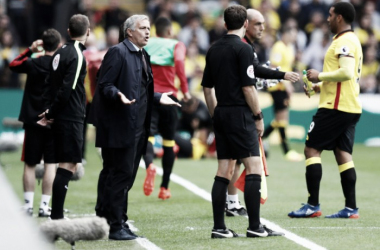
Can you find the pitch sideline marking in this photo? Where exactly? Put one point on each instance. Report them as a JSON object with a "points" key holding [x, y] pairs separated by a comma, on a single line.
{"points": [[207, 196]]}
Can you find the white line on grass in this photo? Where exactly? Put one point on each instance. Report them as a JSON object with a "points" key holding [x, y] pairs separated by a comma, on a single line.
{"points": [[207, 196], [334, 228]]}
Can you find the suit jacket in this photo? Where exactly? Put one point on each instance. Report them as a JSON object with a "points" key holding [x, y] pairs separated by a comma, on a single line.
{"points": [[121, 71]]}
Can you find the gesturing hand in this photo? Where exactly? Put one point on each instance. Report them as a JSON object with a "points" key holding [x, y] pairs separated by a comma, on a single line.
{"points": [[292, 76], [166, 100], [125, 100]]}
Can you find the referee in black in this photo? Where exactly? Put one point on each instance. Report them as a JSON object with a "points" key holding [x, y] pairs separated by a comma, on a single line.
{"points": [[67, 107], [254, 32], [229, 88]]}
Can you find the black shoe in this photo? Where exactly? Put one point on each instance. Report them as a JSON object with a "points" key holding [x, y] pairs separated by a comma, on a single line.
{"points": [[223, 233], [132, 233], [236, 212], [259, 232], [122, 234], [273, 233]]}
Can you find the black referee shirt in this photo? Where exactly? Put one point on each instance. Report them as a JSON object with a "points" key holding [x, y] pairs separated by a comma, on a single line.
{"points": [[229, 67], [66, 81]]}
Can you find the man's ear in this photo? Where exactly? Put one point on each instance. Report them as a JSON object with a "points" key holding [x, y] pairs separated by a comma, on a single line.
{"points": [[246, 23], [88, 32], [129, 32]]}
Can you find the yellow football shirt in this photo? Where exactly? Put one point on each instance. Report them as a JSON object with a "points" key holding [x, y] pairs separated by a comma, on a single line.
{"points": [[281, 55], [343, 96]]}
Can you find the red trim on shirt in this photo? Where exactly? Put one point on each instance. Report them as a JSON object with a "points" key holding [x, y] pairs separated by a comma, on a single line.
{"points": [[20, 58], [338, 87]]}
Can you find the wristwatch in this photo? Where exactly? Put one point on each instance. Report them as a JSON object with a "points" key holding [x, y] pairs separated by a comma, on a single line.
{"points": [[258, 117]]}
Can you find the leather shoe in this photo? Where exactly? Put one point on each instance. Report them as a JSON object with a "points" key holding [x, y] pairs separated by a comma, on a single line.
{"points": [[122, 234]]}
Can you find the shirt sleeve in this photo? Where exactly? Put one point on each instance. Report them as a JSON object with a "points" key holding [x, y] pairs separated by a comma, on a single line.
{"points": [[344, 48], [247, 71], [22, 63], [207, 81], [179, 62]]}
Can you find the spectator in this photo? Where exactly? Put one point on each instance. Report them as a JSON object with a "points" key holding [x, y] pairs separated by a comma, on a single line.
{"points": [[368, 81], [8, 52], [218, 30], [194, 65], [194, 32]]}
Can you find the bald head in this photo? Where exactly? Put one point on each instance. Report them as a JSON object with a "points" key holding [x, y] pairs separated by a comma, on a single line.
{"points": [[255, 25], [254, 14]]}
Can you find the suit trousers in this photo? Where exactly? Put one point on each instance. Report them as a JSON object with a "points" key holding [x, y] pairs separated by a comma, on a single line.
{"points": [[120, 167]]}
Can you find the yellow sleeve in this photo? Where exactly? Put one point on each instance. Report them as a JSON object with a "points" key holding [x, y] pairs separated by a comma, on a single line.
{"points": [[345, 72]]}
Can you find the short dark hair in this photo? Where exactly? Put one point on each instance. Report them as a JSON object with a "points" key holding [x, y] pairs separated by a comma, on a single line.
{"points": [[235, 16], [78, 25], [51, 39], [346, 10], [162, 24]]}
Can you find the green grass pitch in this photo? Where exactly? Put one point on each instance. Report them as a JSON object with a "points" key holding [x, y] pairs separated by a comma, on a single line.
{"points": [[185, 220]]}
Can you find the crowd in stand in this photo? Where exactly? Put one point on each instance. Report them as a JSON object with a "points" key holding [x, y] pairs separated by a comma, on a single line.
{"points": [[196, 23]]}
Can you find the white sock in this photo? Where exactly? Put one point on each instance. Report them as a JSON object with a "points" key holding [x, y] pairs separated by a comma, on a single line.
{"points": [[28, 198], [45, 199], [233, 201]]}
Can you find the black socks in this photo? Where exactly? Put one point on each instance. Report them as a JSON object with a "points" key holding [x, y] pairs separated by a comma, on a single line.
{"points": [[218, 196], [313, 179], [60, 186], [252, 198]]}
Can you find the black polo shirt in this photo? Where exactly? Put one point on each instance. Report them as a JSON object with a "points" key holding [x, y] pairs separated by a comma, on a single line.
{"points": [[229, 67]]}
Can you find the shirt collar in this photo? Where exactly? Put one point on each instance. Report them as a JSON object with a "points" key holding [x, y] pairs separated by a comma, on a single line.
{"points": [[137, 48]]}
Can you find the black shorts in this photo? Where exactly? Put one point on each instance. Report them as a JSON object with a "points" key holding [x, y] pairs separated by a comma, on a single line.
{"points": [[235, 133], [164, 121], [280, 100], [38, 145], [332, 129], [68, 141]]}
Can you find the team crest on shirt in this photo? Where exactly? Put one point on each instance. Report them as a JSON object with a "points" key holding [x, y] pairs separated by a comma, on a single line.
{"points": [[250, 72], [56, 61], [344, 50]]}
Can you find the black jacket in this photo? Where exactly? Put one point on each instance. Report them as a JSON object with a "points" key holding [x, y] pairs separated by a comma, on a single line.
{"points": [[66, 83], [121, 71], [36, 69], [260, 71]]}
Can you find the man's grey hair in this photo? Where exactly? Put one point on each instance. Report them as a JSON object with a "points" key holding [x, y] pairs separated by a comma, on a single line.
{"points": [[130, 23]]}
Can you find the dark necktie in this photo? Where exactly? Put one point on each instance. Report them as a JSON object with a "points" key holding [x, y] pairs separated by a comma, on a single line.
{"points": [[144, 64]]}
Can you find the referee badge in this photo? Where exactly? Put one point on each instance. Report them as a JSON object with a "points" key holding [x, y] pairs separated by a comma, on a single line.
{"points": [[56, 61], [250, 72]]}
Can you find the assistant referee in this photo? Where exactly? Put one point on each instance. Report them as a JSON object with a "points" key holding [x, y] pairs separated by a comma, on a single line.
{"points": [[229, 88], [67, 107]]}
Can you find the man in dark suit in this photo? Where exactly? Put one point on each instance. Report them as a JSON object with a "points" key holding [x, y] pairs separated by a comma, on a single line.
{"points": [[123, 112]]}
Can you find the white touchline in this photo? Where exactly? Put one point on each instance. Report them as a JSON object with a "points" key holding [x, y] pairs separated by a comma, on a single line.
{"points": [[207, 196]]}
